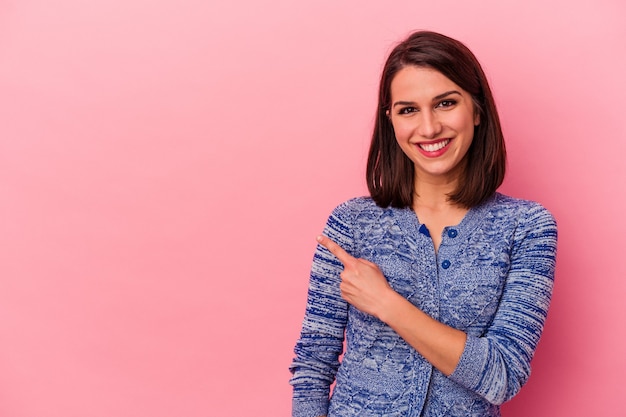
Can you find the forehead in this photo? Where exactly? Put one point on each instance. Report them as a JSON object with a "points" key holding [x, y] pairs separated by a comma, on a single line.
{"points": [[414, 83]]}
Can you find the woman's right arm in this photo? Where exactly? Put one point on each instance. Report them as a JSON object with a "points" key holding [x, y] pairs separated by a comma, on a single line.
{"points": [[321, 340]]}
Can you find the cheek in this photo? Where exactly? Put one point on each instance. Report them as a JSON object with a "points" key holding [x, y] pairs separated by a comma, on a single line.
{"points": [[464, 123]]}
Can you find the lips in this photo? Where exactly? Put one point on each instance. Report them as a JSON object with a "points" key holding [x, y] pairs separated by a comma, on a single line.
{"points": [[434, 147]]}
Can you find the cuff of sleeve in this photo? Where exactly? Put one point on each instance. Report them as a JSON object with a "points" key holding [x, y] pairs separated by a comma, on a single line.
{"points": [[309, 408], [468, 371]]}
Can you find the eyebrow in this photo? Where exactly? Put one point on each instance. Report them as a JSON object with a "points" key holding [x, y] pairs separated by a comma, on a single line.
{"points": [[438, 97]]}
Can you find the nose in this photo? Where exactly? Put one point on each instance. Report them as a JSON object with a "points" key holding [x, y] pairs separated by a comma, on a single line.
{"points": [[429, 125]]}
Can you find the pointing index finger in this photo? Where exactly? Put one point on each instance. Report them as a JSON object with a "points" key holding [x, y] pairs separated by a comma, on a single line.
{"points": [[344, 257]]}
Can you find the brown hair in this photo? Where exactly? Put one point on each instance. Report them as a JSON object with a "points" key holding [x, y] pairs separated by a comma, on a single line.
{"points": [[390, 173]]}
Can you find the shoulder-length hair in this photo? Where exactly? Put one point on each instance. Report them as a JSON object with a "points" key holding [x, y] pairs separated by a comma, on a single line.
{"points": [[390, 173]]}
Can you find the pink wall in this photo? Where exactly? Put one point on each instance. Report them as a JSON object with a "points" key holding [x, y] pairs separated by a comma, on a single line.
{"points": [[165, 166]]}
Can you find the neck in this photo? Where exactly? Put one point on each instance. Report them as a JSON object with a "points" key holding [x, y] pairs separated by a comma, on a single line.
{"points": [[433, 194], [434, 209]]}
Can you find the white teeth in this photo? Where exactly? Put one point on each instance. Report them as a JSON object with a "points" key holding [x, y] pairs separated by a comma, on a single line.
{"points": [[432, 147]]}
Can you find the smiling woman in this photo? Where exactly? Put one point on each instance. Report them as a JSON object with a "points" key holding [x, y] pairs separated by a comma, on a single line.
{"points": [[440, 284], [434, 122]]}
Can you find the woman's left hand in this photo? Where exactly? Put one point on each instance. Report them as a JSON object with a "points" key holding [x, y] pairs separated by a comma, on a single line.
{"points": [[362, 283], [365, 287]]}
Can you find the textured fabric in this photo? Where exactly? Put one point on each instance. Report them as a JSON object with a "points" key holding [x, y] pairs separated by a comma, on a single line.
{"points": [[492, 278]]}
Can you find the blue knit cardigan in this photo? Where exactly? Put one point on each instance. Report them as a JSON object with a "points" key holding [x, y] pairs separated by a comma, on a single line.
{"points": [[492, 278]]}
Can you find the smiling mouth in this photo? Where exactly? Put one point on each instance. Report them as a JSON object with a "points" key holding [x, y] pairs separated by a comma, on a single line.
{"points": [[432, 147]]}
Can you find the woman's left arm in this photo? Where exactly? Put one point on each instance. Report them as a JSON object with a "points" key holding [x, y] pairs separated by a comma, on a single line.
{"points": [[496, 364]]}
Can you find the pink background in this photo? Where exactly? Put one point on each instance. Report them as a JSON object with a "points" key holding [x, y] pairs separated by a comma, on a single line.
{"points": [[165, 167]]}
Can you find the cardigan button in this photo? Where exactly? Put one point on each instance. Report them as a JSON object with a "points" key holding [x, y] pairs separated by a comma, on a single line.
{"points": [[445, 264], [452, 233]]}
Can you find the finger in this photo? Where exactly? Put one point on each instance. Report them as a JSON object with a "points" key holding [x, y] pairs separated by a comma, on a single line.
{"points": [[344, 257], [366, 262]]}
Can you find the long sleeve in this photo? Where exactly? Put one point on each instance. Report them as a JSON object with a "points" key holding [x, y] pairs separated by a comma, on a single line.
{"points": [[497, 363], [321, 340]]}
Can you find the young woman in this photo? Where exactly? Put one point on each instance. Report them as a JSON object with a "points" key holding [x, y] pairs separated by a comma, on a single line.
{"points": [[439, 284]]}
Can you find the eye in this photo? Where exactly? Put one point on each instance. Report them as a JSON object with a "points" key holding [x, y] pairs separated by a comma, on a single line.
{"points": [[407, 110], [446, 103]]}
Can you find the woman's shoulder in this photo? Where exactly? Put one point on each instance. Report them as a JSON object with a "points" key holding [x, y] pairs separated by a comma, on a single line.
{"points": [[518, 209], [356, 205], [359, 210]]}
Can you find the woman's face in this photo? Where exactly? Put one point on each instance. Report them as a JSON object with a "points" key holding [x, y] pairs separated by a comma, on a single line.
{"points": [[433, 120]]}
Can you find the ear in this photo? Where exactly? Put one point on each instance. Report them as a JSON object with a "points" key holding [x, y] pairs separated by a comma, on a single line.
{"points": [[476, 119], [387, 113]]}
